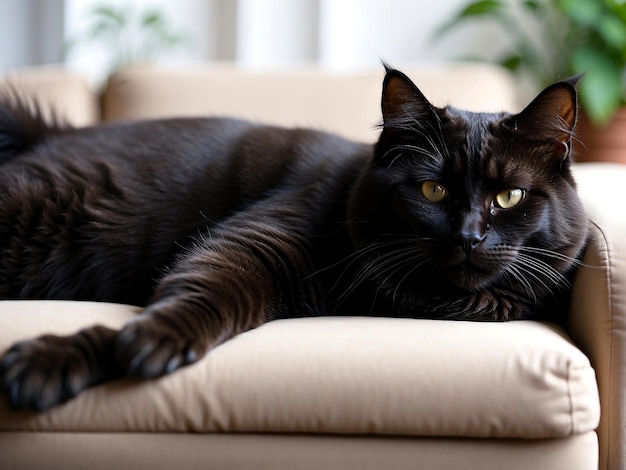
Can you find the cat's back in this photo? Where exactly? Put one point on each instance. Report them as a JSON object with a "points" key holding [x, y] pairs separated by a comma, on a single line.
{"points": [[181, 156], [185, 166], [125, 198], [142, 146]]}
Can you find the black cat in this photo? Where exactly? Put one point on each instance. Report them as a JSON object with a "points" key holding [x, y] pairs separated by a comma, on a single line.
{"points": [[217, 226]]}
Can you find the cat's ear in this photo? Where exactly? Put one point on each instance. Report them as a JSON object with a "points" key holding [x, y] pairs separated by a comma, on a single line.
{"points": [[551, 116], [403, 104]]}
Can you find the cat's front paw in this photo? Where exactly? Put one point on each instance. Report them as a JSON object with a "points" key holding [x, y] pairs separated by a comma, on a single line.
{"points": [[149, 347], [43, 372]]}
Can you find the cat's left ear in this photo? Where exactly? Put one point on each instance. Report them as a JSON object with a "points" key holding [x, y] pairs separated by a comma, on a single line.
{"points": [[551, 116], [403, 104]]}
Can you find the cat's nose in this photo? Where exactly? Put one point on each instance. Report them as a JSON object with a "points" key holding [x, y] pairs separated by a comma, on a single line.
{"points": [[469, 240]]}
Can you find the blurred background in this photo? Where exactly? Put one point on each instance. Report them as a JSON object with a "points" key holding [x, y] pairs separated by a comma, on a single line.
{"points": [[337, 34], [539, 41]]}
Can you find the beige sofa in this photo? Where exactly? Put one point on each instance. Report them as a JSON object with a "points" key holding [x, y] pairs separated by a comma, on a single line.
{"points": [[341, 392]]}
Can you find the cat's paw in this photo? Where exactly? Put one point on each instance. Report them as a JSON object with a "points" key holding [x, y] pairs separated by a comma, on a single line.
{"points": [[43, 372], [149, 347]]}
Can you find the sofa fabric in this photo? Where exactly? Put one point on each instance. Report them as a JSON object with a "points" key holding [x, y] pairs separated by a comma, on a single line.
{"points": [[338, 375], [60, 93], [167, 451], [336, 392], [598, 307], [345, 102]]}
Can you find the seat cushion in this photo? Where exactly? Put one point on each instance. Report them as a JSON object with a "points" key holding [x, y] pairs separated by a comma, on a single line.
{"points": [[349, 375]]}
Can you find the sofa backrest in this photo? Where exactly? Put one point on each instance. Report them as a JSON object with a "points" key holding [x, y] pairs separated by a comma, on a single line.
{"points": [[344, 102], [59, 91]]}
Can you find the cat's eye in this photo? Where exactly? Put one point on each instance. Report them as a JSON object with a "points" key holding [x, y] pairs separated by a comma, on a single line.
{"points": [[509, 198], [434, 192]]}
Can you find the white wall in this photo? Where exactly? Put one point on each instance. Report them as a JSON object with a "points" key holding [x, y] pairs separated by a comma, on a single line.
{"points": [[31, 32], [356, 32], [255, 33]]}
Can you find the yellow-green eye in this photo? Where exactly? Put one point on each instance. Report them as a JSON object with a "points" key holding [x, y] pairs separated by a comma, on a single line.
{"points": [[509, 198], [434, 192]]}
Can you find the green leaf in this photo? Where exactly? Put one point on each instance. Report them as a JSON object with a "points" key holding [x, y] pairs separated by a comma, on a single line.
{"points": [[152, 19], [532, 5], [613, 31], [478, 9], [582, 12], [601, 91], [617, 7], [110, 14], [512, 62]]}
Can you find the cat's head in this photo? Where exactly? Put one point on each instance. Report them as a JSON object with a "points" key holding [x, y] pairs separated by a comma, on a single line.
{"points": [[469, 200]]}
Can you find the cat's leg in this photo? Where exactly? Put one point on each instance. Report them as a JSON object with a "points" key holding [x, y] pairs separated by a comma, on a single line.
{"points": [[243, 273], [48, 370], [239, 275]]}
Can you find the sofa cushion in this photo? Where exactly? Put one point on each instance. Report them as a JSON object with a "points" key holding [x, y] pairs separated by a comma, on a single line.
{"points": [[349, 375], [59, 91]]}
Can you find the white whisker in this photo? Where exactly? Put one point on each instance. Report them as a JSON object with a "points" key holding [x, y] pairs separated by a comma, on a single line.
{"points": [[514, 273], [555, 255], [542, 268]]}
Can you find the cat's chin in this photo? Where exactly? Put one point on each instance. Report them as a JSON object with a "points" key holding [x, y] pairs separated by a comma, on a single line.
{"points": [[467, 276]]}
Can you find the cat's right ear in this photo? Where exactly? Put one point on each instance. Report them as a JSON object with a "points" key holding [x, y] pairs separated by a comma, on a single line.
{"points": [[403, 104], [551, 116]]}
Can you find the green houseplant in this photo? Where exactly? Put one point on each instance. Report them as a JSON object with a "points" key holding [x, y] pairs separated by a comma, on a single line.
{"points": [[550, 39], [127, 36]]}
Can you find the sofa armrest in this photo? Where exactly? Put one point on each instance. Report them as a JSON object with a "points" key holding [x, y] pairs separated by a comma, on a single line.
{"points": [[598, 308]]}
